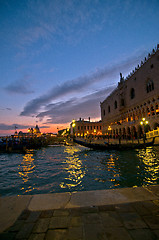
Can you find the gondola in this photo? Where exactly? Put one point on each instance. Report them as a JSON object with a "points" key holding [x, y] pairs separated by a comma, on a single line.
{"points": [[111, 146]]}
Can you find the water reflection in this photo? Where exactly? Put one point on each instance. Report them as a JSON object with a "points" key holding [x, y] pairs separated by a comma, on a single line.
{"points": [[111, 168], [149, 165], [73, 168], [26, 168]]}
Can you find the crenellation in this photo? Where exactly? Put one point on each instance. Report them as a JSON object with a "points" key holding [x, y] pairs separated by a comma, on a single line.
{"points": [[135, 97]]}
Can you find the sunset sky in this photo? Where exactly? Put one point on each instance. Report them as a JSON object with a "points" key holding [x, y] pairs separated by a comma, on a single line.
{"points": [[60, 58]]}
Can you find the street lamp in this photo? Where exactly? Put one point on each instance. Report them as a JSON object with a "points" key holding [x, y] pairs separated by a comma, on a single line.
{"points": [[73, 125], [109, 131], [144, 123]]}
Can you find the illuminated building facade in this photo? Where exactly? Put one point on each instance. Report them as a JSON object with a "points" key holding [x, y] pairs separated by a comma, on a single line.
{"points": [[135, 98], [85, 128]]}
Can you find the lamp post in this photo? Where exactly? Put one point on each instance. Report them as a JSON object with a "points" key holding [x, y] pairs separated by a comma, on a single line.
{"points": [[73, 125], [109, 131], [144, 123]]}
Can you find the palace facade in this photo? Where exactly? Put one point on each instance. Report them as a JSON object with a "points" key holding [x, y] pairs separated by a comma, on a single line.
{"points": [[83, 127], [135, 98]]}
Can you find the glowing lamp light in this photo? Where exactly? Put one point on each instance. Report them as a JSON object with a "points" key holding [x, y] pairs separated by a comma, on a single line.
{"points": [[73, 123], [109, 128], [144, 122]]}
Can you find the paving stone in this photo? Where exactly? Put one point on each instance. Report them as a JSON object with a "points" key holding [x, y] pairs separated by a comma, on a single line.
{"points": [[127, 207], [142, 234], [94, 232], [7, 236], [61, 212], [33, 216], [35, 236], [92, 209], [75, 233], [58, 234], [156, 232], [141, 209], [25, 231], [152, 221], [117, 234], [107, 208], [91, 218], [59, 222], [151, 206], [111, 219], [16, 226], [75, 221], [41, 225], [46, 214], [132, 220], [24, 215], [75, 212]]}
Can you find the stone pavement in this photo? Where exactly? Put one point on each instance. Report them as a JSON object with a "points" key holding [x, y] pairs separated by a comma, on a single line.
{"points": [[131, 219]]}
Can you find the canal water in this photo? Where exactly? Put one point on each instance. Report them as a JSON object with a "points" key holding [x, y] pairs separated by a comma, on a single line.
{"points": [[58, 169]]}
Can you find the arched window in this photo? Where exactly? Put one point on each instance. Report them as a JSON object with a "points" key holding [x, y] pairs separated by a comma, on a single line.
{"points": [[132, 93], [115, 104], [149, 86], [122, 102]]}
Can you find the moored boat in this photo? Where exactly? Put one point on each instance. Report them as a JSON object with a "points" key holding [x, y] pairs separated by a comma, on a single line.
{"points": [[111, 146]]}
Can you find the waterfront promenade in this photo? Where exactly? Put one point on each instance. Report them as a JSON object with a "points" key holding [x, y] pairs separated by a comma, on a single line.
{"points": [[125, 213]]}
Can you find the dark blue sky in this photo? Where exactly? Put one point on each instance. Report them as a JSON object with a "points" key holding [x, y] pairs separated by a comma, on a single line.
{"points": [[60, 58]]}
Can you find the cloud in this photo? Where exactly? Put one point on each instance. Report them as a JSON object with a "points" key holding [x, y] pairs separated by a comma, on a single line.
{"points": [[12, 126], [18, 126], [21, 86], [77, 85], [87, 106], [3, 109]]}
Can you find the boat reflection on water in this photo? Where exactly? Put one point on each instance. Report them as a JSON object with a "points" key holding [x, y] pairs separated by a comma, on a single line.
{"points": [[26, 169], [73, 168]]}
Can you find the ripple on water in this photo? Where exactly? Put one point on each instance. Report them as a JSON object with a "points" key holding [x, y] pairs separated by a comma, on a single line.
{"points": [[75, 168]]}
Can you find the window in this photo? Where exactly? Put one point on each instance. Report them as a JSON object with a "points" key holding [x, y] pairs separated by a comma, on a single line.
{"points": [[132, 93], [108, 109], [122, 102], [115, 104], [104, 112], [149, 86], [87, 127], [157, 109], [151, 65]]}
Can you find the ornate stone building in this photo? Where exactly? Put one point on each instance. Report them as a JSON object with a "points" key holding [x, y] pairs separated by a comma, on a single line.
{"points": [[135, 97], [83, 128]]}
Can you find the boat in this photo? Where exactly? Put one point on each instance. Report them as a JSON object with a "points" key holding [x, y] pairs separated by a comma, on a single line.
{"points": [[111, 146]]}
